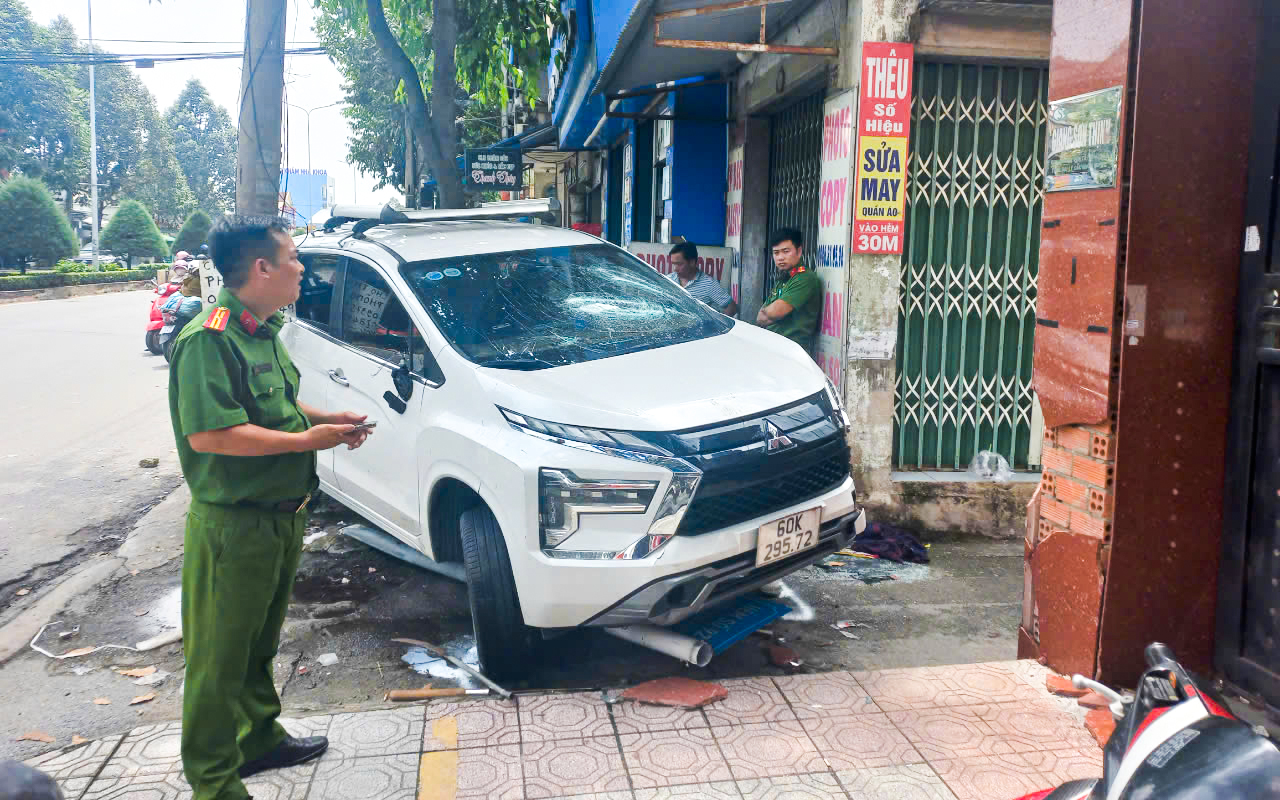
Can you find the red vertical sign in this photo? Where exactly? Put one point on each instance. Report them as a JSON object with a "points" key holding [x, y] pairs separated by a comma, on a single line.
{"points": [[884, 125]]}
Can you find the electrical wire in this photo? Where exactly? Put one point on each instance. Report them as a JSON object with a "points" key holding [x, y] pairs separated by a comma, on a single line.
{"points": [[117, 60]]}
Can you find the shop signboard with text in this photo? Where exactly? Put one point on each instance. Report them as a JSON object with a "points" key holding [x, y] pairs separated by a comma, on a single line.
{"points": [[496, 168], [884, 127], [715, 261], [834, 216]]}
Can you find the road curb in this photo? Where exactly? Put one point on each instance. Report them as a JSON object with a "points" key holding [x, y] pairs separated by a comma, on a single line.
{"points": [[63, 292], [155, 540]]}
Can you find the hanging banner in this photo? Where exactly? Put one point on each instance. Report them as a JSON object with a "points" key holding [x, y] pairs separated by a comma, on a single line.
{"points": [[834, 216], [884, 125], [733, 218]]}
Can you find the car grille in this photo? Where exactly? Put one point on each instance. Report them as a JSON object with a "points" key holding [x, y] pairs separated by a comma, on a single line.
{"points": [[773, 482]]}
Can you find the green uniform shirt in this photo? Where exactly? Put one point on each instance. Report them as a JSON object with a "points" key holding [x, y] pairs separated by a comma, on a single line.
{"points": [[222, 378], [803, 291]]}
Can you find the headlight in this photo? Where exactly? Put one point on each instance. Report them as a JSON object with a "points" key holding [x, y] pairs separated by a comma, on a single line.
{"points": [[574, 433], [563, 498], [837, 404]]}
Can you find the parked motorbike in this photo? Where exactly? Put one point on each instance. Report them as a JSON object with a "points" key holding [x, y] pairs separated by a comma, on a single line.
{"points": [[1175, 740], [163, 291], [177, 311]]}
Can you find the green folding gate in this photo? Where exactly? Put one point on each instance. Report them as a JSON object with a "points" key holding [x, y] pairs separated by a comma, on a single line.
{"points": [[966, 306], [795, 176]]}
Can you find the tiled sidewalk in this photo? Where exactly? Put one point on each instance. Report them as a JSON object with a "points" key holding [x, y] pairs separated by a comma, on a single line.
{"points": [[973, 732]]}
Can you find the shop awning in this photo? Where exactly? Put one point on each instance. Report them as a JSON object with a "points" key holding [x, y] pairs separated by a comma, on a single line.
{"points": [[715, 32], [538, 136]]}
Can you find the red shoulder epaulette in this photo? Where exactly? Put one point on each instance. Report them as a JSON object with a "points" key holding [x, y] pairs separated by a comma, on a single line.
{"points": [[217, 321]]}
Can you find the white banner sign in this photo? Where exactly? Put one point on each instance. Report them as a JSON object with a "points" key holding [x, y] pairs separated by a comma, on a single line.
{"points": [[835, 216], [733, 218]]}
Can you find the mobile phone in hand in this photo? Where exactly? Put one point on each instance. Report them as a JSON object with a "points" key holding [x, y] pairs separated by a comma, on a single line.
{"points": [[364, 426]]}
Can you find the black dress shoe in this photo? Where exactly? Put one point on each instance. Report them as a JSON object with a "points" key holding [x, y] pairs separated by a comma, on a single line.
{"points": [[289, 753]]}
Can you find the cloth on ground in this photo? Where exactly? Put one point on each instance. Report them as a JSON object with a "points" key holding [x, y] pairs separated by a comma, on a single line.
{"points": [[889, 542]]}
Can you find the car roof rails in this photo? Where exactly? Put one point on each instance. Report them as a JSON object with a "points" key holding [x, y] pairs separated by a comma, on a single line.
{"points": [[366, 217]]}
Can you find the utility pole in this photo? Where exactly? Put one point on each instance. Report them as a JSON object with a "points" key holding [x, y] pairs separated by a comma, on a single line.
{"points": [[93, 144], [261, 106]]}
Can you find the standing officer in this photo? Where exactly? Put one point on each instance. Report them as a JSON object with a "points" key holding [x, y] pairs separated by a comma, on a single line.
{"points": [[247, 447], [796, 305]]}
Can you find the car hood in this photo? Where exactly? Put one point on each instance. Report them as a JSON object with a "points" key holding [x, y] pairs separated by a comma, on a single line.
{"points": [[742, 372]]}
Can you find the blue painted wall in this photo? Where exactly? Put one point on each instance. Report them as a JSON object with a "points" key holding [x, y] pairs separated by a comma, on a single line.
{"points": [[698, 165]]}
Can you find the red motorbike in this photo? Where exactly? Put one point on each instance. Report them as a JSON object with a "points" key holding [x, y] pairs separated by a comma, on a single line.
{"points": [[1175, 740], [155, 322]]}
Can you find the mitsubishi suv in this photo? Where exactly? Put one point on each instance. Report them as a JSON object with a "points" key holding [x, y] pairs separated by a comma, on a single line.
{"points": [[560, 425]]}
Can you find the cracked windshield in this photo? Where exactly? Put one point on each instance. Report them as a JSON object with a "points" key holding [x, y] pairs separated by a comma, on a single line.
{"points": [[535, 309]]}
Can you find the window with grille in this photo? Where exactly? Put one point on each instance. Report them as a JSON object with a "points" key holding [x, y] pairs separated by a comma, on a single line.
{"points": [[795, 176]]}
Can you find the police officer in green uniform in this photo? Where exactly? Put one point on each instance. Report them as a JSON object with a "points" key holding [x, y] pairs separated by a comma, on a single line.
{"points": [[247, 447], [796, 304]]}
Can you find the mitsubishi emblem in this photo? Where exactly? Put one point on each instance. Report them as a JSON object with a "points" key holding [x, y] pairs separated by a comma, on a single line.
{"points": [[777, 439]]}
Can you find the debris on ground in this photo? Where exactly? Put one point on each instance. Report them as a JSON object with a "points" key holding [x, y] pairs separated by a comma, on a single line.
{"points": [[988, 465], [892, 543], [70, 633], [102, 701], [678, 692], [844, 626], [80, 651], [1057, 684], [783, 656], [427, 693], [1094, 701], [142, 612], [854, 554], [157, 641], [143, 698], [23, 592], [149, 463], [77, 739], [36, 736], [465, 667], [302, 670], [847, 634], [152, 680], [140, 672], [334, 543], [1101, 724], [328, 610], [327, 659]]}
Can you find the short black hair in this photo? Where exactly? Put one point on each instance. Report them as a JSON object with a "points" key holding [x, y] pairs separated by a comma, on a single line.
{"points": [[688, 250], [235, 242], [20, 782], [781, 235]]}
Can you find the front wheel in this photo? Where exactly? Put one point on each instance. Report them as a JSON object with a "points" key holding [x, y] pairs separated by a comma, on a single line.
{"points": [[506, 645], [153, 342]]}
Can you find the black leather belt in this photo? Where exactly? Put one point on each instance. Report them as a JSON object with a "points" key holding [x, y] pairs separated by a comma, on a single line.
{"points": [[295, 506]]}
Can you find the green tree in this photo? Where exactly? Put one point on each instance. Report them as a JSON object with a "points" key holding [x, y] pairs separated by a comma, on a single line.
{"points": [[195, 232], [44, 128], [160, 183], [426, 50], [133, 234], [32, 227], [376, 115], [205, 143]]}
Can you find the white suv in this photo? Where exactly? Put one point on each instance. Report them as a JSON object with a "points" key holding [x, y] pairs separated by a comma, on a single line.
{"points": [[561, 425]]}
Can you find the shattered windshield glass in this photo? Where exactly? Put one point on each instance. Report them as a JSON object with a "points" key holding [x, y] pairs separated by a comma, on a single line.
{"points": [[534, 309]]}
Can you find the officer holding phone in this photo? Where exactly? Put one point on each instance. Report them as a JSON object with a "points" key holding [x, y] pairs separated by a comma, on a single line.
{"points": [[247, 446]]}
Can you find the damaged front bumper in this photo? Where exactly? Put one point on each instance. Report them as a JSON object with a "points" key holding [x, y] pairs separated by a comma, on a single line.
{"points": [[674, 598]]}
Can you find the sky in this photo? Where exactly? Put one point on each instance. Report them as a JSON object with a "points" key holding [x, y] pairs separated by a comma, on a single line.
{"points": [[310, 81]]}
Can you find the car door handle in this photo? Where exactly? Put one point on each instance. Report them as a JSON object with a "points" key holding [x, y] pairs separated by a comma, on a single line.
{"points": [[336, 376]]}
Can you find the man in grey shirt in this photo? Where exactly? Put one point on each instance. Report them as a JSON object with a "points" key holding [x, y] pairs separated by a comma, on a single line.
{"points": [[701, 286]]}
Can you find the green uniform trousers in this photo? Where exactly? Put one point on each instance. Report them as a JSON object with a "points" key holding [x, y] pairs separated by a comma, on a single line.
{"points": [[237, 575]]}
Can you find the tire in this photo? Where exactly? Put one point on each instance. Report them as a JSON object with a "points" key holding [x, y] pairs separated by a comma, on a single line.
{"points": [[168, 347], [153, 342], [506, 646]]}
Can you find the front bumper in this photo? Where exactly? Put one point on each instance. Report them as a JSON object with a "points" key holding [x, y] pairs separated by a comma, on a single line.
{"points": [[674, 598]]}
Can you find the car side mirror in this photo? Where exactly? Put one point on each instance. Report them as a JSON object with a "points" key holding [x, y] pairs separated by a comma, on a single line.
{"points": [[403, 383]]}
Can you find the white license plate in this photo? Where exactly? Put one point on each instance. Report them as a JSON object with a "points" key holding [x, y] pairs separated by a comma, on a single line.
{"points": [[787, 536]]}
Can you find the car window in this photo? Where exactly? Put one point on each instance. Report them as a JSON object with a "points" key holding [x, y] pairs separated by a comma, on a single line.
{"points": [[316, 297], [376, 322], [535, 309]]}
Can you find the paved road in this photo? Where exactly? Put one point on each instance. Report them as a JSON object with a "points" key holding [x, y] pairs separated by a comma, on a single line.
{"points": [[84, 402]]}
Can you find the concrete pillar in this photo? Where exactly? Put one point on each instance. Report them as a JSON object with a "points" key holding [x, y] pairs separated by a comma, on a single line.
{"points": [[872, 302], [755, 216]]}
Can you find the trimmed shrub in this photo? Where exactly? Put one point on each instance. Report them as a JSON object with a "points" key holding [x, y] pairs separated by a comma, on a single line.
{"points": [[195, 232], [32, 227], [132, 233]]}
